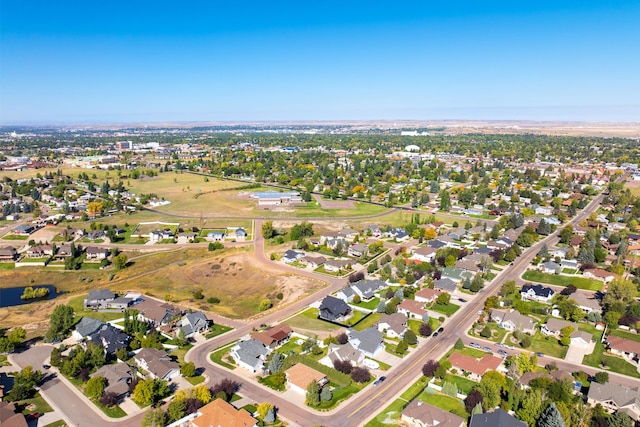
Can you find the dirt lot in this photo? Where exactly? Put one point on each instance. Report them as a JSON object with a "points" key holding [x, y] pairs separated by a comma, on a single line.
{"points": [[334, 204], [634, 186], [233, 276]]}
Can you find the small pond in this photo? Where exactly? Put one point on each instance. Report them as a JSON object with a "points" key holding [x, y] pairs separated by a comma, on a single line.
{"points": [[11, 296]]}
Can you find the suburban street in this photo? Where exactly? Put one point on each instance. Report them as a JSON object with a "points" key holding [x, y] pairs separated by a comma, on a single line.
{"points": [[360, 407]]}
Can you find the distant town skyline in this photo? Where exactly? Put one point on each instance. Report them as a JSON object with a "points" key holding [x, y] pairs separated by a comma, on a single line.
{"points": [[163, 61]]}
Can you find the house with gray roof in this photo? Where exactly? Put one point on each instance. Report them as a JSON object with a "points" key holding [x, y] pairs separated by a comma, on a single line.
{"points": [[537, 293], [497, 418], [292, 256], [445, 285], [250, 354], [394, 325], [333, 309], [118, 377], [346, 294], [358, 249], [456, 274], [512, 320], [98, 298], [346, 352], [554, 326], [194, 323], [110, 338], [614, 397], [368, 341], [367, 289], [549, 267], [85, 327], [157, 363]]}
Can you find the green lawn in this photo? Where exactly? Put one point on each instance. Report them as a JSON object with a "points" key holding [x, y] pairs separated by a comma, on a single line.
{"points": [[269, 381], [110, 411], [216, 356], [497, 333], [15, 237], [7, 266], [368, 322], [548, 345], [59, 423], [372, 304], [355, 317], [464, 385], [40, 405], [216, 330], [559, 280], [448, 309], [4, 361], [194, 381], [613, 363], [448, 403], [308, 319]]}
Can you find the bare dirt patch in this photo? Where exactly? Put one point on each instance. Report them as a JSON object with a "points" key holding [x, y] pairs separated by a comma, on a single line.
{"points": [[634, 186], [334, 204]]}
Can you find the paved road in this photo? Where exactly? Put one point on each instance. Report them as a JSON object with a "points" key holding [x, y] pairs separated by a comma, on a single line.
{"points": [[76, 409]]}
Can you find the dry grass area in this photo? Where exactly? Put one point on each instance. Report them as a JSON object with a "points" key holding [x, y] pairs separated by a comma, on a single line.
{"points": [[634, 186], [232, 275]]}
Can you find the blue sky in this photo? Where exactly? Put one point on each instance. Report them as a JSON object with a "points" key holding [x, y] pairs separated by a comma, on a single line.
{"points": [[84, 61]]}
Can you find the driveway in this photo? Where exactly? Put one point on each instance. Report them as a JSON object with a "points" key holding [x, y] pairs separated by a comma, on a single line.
{"points": [[576, 352]]}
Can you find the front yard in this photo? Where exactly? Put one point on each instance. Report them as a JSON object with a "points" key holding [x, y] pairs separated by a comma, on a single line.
{"points": [[560, 280]]}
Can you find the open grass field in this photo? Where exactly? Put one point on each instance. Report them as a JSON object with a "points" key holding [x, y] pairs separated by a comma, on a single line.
{"points": [[559, 280], [232, 275]]}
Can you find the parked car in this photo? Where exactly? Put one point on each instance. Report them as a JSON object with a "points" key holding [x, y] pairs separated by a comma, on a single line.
{"points": [[462, 300], [435, 334], [474, 345], [440, 330], [499, 344], [487, 349], [540, 354], [502, 352]]}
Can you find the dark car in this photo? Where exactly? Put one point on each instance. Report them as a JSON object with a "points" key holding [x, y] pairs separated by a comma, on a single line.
{"points": [[462, 300], [440, 330], [435, 334], [540, 354], [379, 380], [486, 349], [502, 353]]}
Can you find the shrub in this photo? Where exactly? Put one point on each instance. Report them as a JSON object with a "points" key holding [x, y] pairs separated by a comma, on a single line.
{"points": [[429, 369], [342, 338], [425, 330], [213, 300], [265, 304], [343, 366], [360, 375]]}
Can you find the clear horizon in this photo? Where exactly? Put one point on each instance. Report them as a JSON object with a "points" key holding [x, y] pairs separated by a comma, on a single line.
{"points": [[79, 62]]}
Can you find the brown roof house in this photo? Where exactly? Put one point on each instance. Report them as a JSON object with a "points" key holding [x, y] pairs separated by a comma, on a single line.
{"points": [[476, 368], [421, 414], [156, 312], [628, 349], [275, 336], [299, 377], [222, 414]]}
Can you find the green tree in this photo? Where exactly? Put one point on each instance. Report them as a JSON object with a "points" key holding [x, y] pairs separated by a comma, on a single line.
{"points": [[410, 337], [402, 347], [24, 383], [620, 419], [265, 304], [56, 357], [602, 377], [565, 335], [445, 200], [120, 261], [154, 418], [459, 345], [263, 409], [150, 391], [326, 395], [443, 298], [60, 322], [313, 394], [188, 369], [176, 409], [267, 229], [491, 386], [551, 417], [95, 387], [531, 406], [276, 362]]}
